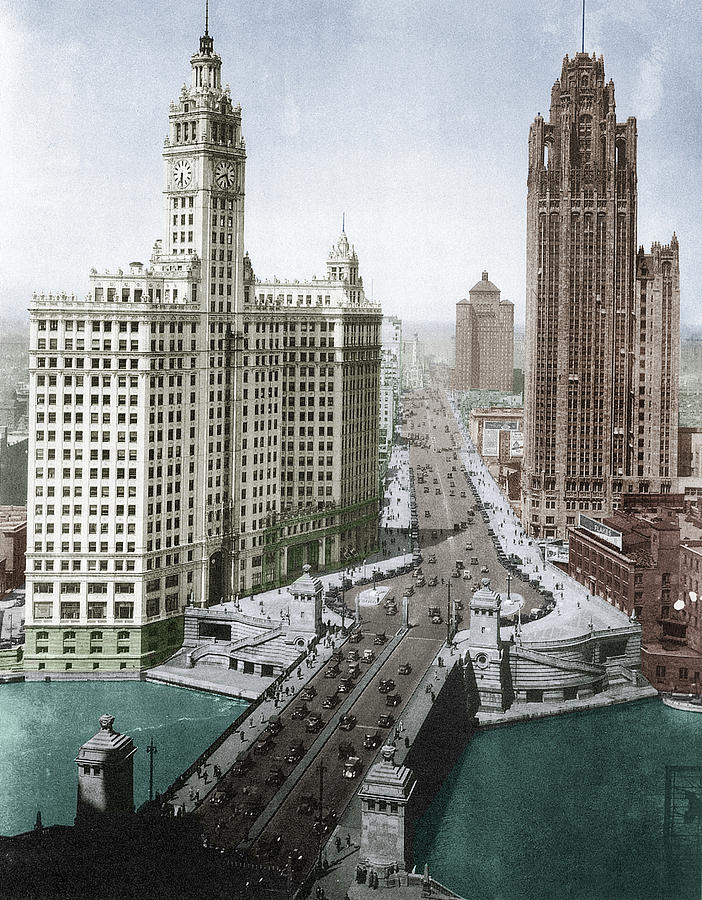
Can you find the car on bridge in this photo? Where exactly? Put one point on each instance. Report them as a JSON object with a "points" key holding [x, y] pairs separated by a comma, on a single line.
{"points": [[346, 749], [275, 726], [372, 740], [264, 744], [352, 767], [386, 685], [276, 776], [300, 711], [331, 701], [386, 720], [348, 722], [241, 766], [308, 693], [314, 724], [296, 751]]}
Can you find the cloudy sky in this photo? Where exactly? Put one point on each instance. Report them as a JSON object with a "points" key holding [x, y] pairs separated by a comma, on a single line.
{"points": [[411, 116]]}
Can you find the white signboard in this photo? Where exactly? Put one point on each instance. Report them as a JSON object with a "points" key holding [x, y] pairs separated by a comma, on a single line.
{"points": [[516, 444], [491, 442]]}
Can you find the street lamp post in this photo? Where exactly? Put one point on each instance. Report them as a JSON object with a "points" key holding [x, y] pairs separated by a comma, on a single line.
{"points": [[509, 581], [320, 818]]}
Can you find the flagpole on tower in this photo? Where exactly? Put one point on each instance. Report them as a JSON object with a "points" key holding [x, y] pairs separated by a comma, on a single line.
{"points": [[583, 45]]}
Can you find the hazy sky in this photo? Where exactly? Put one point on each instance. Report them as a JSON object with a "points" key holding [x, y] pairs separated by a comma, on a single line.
{"points": [[411, 116]]}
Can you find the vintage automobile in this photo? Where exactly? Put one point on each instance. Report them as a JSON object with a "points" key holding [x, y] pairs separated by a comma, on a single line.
{"points": [[371, 740], [348, 722], [300, 711], [331, 701], [308, 693], [386, 685], [314, 724], [352, 767], [296, 751], [404, 668], [386, 720], [393, 700]]}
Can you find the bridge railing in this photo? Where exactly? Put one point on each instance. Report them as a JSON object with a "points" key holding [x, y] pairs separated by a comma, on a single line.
{"points": [[229, 730]]}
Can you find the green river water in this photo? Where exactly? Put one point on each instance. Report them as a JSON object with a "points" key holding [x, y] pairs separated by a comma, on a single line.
{"points": [[42, 725], [570, 807], [567, 807]]}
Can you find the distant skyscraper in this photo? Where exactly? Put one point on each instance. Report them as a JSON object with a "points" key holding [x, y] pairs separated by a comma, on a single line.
{"points": [[602, 324], [484, 339]]}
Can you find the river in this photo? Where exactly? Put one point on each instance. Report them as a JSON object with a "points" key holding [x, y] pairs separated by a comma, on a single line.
{"points": [[42, 725], [571, 806]]}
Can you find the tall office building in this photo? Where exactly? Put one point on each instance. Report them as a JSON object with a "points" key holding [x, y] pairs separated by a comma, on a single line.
{"points": [[390, 380], [166, 449], [484, 339], [602, 323]]}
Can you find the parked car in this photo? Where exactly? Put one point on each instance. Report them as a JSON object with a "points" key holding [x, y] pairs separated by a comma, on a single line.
{"points": [[431, 559], [408, 591], [433, 581], [380, 638], [332, 671], [386, 685], [345, 686], [354, 670], [484, 570], [474, 560], [455, 574], [308, 693], [356, 636], [368, 656], [331, 701], [467, 575], [348, 722], [371, 740], [404, 668], [393, 700], [391, 609], [386, 720], [314, 724], [353, 655], [421, 581]]}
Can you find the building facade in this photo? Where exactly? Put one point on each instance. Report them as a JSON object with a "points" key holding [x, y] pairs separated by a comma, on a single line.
{"points": [[166, 462], [13, 544], [603, 336], [635, 560], [484, 339], [413, 364], [390, 381]]}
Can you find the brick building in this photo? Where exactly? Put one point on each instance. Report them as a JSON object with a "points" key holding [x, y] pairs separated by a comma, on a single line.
{"points": [[13, 543], [635, 560]]}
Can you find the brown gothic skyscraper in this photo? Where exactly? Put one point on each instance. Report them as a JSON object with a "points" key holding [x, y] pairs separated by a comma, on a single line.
{"points": [[602, 324]]}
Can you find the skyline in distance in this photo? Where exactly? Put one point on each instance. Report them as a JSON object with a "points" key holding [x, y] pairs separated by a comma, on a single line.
{"points": [[412, 121]]}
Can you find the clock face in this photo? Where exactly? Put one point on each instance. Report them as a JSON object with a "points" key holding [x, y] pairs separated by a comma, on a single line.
{"points": [[225, 174], [182, 173]]}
